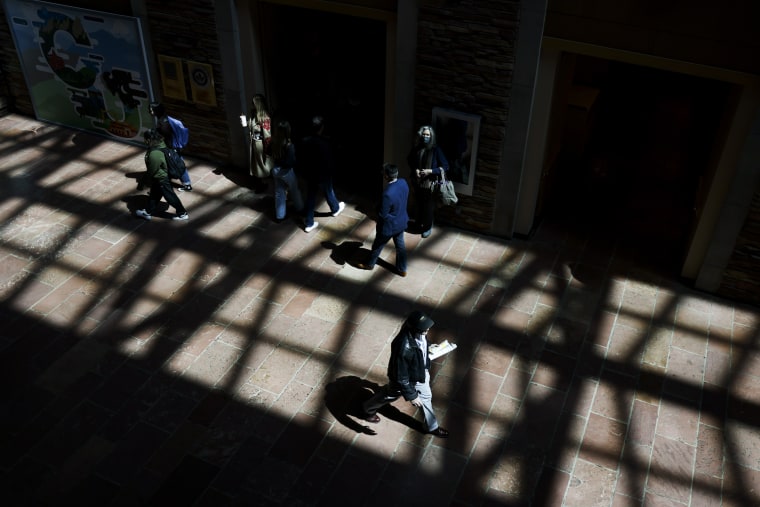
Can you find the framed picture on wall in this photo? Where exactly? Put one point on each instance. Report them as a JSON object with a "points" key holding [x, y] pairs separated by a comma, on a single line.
{"points": [[202, 83], [457, 134], [172, 77]]}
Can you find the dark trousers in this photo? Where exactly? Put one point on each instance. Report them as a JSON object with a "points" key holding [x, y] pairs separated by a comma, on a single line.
{"points": [[390, 393], [425, 208], [311, 199], [163, 188], [386, 394], [380, 241]]}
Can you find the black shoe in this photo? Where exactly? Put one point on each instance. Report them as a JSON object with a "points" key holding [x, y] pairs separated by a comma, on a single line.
{"points": [[186, 188], [440, 432], [374, 418]]}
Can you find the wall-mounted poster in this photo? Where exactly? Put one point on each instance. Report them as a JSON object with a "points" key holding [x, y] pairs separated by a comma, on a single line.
{"points": [[202, 83], [172, 77], [457, 134], [84, 69]]}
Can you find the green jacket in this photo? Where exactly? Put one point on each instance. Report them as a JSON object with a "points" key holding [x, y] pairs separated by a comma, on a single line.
{"points": [[155, 162]]}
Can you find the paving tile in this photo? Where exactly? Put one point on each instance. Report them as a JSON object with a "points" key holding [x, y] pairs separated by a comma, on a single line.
{"points": [[492, 358], [307, 333], [625, 349], [603, 441], [212, 364], [684, 374], [478, 390], [589, 485], [678, 421], [278, 369], [642, 423], [670, 472]]}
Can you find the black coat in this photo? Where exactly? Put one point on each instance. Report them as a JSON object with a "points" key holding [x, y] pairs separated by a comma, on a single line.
{"points": [[315, 160], [407, 364]]}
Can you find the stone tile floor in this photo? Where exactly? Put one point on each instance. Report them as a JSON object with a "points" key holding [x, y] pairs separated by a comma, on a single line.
{"points": [[220, 361]]}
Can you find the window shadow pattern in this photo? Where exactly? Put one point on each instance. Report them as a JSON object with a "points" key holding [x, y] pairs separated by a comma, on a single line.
{"points": [[155, 364]]}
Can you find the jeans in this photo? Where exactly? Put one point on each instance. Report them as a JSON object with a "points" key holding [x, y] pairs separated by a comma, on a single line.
{"points": [[163, 188], [185, 178], [388, 394], [285, 182], [380, 241], [311, 199]]}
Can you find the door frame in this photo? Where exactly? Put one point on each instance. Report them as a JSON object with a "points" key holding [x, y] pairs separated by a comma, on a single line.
{"points": [[707, 212]]}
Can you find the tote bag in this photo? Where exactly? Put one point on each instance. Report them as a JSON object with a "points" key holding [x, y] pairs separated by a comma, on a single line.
{"points": [[445, 192]]}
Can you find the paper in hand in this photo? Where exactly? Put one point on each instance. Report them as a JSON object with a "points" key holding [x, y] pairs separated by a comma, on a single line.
{"points": [[437, 350]]}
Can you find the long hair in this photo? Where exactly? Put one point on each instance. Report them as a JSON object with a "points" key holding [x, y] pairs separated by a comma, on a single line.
{"points": [[421, 145], [280, 139], [259, 108]]}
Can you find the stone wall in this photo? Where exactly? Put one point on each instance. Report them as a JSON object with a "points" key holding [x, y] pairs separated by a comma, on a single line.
{"points": [[13, 83], [186, 29], [465, 57], [741, 278]]}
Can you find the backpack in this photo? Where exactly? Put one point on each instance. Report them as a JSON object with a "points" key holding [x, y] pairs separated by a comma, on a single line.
{"points": [[175, 166], [180, 133]]}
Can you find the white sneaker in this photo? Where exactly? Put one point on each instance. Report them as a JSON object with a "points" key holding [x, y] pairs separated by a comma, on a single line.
{"points": [[341, 207], [311, 227], [183, 216], [143, 214]]}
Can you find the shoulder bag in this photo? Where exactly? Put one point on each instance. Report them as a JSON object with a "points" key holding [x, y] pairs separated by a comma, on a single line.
{"points": [[445, 191]]}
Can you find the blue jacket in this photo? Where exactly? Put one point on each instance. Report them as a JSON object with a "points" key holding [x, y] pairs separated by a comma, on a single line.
{"points": [[392, 216]]}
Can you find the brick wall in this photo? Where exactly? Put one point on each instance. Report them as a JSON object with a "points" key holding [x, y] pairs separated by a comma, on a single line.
{"points": [[186, 29], [12, 80], [741, 278], [465, 56]]}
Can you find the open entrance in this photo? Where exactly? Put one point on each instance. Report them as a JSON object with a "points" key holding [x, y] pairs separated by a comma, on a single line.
{"points": [[332, 65], [629, 150]]}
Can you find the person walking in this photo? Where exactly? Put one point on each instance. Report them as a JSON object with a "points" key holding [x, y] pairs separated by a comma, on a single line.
{"points": [[317, 163], [175, 136], [260, 131], [158, 178], [427, 162], [285, 181], [408, 374], [392, 220]]}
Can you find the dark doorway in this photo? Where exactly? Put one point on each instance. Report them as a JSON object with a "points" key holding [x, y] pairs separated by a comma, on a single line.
{"points": [[332, 65], [632, 149]]}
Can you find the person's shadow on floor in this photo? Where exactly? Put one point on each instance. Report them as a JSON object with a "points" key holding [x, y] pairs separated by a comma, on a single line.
{"points": [[352, 253], [349, 252], [344, 398]]}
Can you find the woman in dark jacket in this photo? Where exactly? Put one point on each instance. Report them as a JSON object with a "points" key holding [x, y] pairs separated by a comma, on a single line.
{"points": [[285, 182], [426, 161]]}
